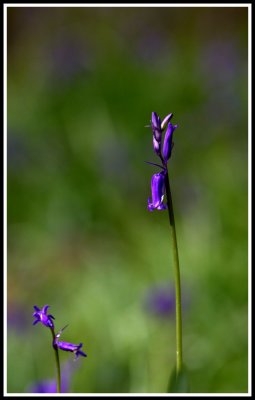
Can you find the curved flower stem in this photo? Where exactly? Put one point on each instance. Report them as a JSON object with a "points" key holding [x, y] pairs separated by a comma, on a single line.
{"points": [[57, 362], [177, 278]]}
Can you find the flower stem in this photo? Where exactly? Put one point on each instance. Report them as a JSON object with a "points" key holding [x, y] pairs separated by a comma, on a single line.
{"points": [[177, 279], [57, 363]]}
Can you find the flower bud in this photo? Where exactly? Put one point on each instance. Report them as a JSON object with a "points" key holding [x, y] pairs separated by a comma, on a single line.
{"points": [[166, 120], [156, 126], [168, 142], [156, 146]]}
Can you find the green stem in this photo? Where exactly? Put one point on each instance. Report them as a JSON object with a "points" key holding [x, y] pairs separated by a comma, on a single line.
{"points": [[57, 363], [177, 279]]}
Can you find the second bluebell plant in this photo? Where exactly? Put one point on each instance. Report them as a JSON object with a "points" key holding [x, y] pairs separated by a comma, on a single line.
{"points": [[41, 315]]}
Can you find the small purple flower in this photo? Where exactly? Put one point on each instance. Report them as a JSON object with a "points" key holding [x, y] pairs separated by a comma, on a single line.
{"points": [[168, 142], [157, 192], [74, 348], [41, 316]]}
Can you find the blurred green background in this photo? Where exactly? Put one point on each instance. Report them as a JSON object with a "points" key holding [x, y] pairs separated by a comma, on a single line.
{"points": [[82, 83]]}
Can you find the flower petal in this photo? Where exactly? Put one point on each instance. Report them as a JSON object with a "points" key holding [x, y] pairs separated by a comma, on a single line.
{"points": [[44, 309]]}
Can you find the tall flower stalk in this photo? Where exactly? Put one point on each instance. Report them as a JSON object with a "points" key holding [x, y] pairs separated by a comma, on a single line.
{"points": [[47, 320], [160, 185], [41, 315], [57, 363]]}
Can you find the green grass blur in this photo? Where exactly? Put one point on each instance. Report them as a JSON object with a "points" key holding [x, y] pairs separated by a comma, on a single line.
{"points": [[82, 83]]}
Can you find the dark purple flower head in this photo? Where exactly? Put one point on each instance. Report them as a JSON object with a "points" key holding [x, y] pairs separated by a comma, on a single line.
{"points": [[41, 316], [157, 192], [74, 348], [168, 142]]}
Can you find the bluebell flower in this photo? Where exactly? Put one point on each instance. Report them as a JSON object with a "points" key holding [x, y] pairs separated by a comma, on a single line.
{"points": [[168, 142], [158, 180], [41, 316], [157, 192], [66, 346]]}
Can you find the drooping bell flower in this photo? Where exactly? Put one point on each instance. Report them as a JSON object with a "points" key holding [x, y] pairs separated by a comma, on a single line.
{"points": [[66, 346], [168, 142], [157, 192], [41, 316]]}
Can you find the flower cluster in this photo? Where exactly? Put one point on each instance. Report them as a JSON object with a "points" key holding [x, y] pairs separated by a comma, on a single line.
{"points": [[155, 202], [47, 320]]}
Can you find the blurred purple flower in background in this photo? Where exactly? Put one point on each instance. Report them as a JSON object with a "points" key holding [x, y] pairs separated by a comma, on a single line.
{"points": [[17, 318], [160, 301], [220, 61], [153, 48], [46, 386], [41, 316], [50, 385]]}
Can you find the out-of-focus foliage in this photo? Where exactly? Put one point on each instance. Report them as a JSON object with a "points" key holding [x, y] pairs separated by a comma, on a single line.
{"points": [[82, 83]]}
